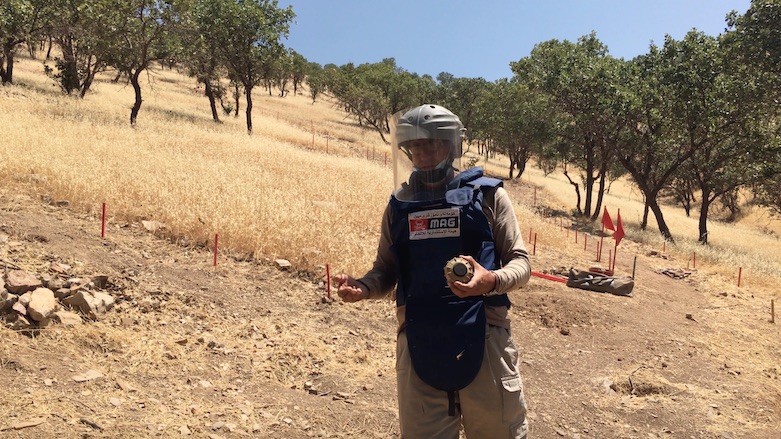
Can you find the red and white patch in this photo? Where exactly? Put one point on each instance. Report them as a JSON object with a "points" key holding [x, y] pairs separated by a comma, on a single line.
{"points": [[439, 223]]}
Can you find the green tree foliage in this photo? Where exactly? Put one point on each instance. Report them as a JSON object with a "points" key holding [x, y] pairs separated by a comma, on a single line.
{"points": [[20, 21], [753, 45], [582, 82], [200, 55], [137, 33], [299, 69], [755, 39], [768, 194], [461, 96], [714, 114], [317, 80], [656, 104], [373, 92], [249, 33], [516, 120], [77, 27]]}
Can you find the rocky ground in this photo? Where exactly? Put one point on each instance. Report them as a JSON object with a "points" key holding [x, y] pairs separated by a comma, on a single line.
{"points": [[179, 347]]}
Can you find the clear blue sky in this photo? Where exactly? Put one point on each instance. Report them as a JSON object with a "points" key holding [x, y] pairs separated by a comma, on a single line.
{"points": [[479, 38]]}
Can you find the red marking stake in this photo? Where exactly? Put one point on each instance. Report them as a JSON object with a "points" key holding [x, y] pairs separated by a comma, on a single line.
{"points": [[216, 240], [103, 222], [328, 277]]}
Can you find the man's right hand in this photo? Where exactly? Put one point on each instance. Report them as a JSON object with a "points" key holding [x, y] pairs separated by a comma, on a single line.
{"points": [[349, 289]]}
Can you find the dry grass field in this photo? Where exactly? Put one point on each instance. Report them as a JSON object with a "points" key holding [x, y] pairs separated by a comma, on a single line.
{"points": [[245, 349]]}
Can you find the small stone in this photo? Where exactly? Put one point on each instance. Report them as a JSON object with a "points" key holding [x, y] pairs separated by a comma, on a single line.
{"points": [[89, 375], [283, 264]]}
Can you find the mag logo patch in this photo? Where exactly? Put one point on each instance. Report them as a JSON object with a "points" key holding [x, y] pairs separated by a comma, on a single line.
{"points": [[440, 223]]}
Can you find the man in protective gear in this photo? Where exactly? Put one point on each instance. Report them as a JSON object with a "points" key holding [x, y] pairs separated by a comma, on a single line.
{"points": [[456, 363]]}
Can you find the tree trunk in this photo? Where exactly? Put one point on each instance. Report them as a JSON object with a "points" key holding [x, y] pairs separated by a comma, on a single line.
{"points": [[521, 168], [248, 95], [92, 70], [69, 74], [577, 190], [707, 199], [137, 104], [513, 162], [87, 84], [600, 193], [588, 183], [7, 72], [654, 206], [644, 225], [209, 92], [237, 98], [49, 50]]}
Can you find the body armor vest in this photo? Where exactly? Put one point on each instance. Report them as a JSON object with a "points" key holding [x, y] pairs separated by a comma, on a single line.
{"points": [[445, 333]]}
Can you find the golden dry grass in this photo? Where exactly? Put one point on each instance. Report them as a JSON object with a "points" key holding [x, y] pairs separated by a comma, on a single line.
{"points": [[309, 185], [299, 188]]}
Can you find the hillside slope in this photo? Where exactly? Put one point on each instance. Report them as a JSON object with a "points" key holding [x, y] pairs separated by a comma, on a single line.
{"points": [[249, 349], [245, 349]]}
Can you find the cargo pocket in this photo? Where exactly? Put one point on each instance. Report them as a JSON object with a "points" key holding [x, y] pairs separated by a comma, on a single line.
{"points": [[513, 402]]}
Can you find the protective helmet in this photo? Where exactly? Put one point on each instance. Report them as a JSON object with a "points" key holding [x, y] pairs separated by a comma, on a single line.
{"points": [[426, 122]]}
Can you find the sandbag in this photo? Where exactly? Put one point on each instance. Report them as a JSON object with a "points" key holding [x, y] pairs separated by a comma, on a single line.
{"points": [[586, 280]]}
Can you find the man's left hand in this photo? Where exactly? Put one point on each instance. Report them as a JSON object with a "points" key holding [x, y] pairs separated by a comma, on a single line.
{"points": [[483, 281]]}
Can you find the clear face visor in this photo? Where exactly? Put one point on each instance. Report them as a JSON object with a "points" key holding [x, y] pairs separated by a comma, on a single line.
{"points": [[424, 162]]}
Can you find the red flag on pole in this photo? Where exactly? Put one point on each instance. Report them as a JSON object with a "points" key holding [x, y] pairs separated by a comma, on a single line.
{"points": [[619, 233], [606, 221]]}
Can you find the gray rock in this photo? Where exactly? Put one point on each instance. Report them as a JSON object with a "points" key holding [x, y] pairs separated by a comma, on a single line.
{"points": [[103, 301], [54, 284], [7, 300], [100, 281], [66, 318], [84, 302], [89, 375], [63, 293], [20, 308], [24, 299], [20, 282], [153, 226], [42, 304]]}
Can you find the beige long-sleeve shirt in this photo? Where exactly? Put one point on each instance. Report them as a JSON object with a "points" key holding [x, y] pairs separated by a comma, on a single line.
{"points": [[515, 268]]}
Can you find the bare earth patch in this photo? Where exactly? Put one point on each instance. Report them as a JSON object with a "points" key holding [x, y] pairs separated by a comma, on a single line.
{"points": [[245, 349]]}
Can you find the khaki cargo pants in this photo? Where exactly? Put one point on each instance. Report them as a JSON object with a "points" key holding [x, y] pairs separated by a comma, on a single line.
{"points": [[491, 407]]}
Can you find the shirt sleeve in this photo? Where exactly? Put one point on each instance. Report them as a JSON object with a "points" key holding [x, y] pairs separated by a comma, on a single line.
{"points": [[516, 268], [381, 279]]}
